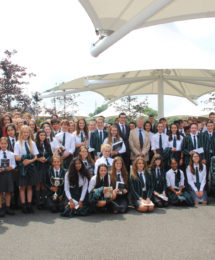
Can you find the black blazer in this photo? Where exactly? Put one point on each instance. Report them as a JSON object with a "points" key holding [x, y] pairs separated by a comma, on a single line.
{"points": [[126, 137]]}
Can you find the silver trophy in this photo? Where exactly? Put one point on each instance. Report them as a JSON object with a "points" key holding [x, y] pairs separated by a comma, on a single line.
{"points": [[56, 182]]}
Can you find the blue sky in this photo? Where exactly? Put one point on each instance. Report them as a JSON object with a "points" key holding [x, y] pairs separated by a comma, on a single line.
{"points": [[53, 41]]}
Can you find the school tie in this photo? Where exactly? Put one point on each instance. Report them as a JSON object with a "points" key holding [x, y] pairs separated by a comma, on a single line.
{"points": [[177, 178], [85, 163], [118, 177], [27, 149], [13, 143], [141, 139], [197, 179], [114, 140], [43, 148], [100, 137], [123, 130], [82, 137], [56, 174], [64, 139], [4, 154], [108, 164], [160, 142], [142, 180], [194, 141], [174, 142], [102, 182]]}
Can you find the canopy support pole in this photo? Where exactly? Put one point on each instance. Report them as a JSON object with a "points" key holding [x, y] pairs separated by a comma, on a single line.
{"points": [[135, 23], [160, 97]]}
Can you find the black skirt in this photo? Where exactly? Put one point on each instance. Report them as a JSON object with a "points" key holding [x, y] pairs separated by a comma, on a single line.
{"points": [[30, 178], [6, 181], [41, 171]]}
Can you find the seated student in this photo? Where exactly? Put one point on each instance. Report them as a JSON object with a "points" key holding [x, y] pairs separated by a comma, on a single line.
{"points": [[106, 150], [196, 176], [113, 137], [141, 186], [42, 165], [159, 181], [55, 195], [100, 194], [176, 192], [6, 179], [76, 188], [55, 145], [119, 174], [67, 142], [84, 155]]}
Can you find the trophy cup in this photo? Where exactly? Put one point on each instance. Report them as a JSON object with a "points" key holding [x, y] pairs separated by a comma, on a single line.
{"points": [[56, 182]]}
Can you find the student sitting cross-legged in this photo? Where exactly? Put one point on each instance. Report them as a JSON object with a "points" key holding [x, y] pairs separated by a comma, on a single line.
{"points": [[141, 186]]}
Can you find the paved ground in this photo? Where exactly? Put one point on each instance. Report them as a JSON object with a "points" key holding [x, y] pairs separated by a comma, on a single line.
{"points": [[173, 233]]}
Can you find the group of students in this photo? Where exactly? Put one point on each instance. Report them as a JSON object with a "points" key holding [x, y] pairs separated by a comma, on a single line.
{"points": [[74, 168]]}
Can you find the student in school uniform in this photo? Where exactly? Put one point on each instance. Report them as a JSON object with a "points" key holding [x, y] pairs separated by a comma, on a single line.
{"points": [[85, 156], [42, 165], [196, 176], [26, 152], [76, 189], [97, 137], [149, 130], [106, 159], [119, 174], [12, 138], [192, 142], [165, 125], [55, 145], [176, 191], [8, 163], [113, 137], [99, 186], [141, 186], [34, 129], [6, 119], [55, 195], [71, 129], [81, 135], [56, 126], [159, 181], [175, 143], [67, 142]]}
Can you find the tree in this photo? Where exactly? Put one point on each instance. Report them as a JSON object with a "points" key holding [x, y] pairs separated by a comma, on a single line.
{"points": [[36, 98], [99, 110], [150, 111], [11, 82], [131, 107]]}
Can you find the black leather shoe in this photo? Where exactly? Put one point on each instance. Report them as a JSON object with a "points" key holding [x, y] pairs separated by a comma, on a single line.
{"points": [[2, 212], [24, 209], [29, 208], [9, 211]]}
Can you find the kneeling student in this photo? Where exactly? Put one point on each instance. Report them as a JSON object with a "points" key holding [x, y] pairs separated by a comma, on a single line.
{"points": [[55, 194], [105, 159], [141, 186], [176, 191]]}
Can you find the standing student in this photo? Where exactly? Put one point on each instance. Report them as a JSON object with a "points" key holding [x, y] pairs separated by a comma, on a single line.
{"points": [[97, 137], [84, 155], [81, 135], [11, 136], [6, 119], [71, 127], [141, 186], [148, 129], [176, 191], [159, 181], [55, 145], [55, 195], [26, 152], [76, 189], [19, 124], [113, 137], [56, 127], [34, 129], [196, 176], [6, 179], [153, 123], [42, 165], [67, 142], [119, 174], [105, 159]]}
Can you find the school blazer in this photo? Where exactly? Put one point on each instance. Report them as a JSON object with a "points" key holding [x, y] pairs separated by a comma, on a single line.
{"points": [[208, 144], [126, 137], [162, 183], [95, 142], [134, 144], [136, 188]]}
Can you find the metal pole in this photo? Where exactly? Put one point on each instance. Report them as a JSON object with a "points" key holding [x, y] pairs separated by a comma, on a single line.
{"points": [[160, 96]]}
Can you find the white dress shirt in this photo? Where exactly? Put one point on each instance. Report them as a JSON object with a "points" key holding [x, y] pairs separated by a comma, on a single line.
{"points": [[69, 141], [20, 149], [178, 142], [155, 141], [101, 161], [78, 137], [121, 178], [82, 182], [122, 149], [192, 137], [10, 157], [191, 178], [54, 144], [170, 179], [144, 179], [92, 183]]}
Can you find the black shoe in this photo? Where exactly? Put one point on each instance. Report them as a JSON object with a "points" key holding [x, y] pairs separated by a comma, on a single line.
{"points": [[2, 212], [29, 208], [9, 211], [24, 209]]}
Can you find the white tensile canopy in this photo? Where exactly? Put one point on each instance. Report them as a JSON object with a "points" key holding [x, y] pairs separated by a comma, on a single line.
{"points": [[113, 19], [187, 83]]}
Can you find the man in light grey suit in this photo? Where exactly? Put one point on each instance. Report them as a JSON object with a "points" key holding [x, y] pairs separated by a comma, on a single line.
{"points": [[139, 141]]}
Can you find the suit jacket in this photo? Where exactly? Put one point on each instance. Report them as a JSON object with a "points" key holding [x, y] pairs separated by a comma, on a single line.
{"points": [[208, 144], [135, 145], [95, 140], [126, 137]]}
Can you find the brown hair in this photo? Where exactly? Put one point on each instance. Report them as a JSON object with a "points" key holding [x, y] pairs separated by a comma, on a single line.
{"points": [[191, 163], [110, 141], [89, 158], [154, 158], [134, 167], [113, 175], [85, 128]]}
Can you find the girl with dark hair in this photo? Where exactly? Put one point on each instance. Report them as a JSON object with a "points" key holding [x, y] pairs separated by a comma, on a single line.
{"points": [[86, 158], [176, 191], [81, 135], [33, 127], [6, 119], [159, 181], [119, 176], [42, 165], [141, 186], [55, 145], [76, 189], [196, 176], [11, 136]]}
